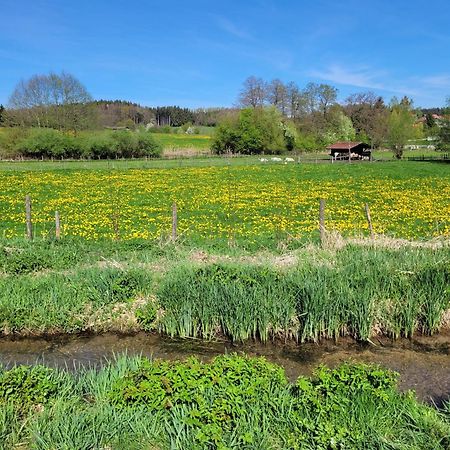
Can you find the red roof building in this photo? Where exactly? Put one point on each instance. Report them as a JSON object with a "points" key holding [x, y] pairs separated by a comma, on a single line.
{"points": [[350, 150]]}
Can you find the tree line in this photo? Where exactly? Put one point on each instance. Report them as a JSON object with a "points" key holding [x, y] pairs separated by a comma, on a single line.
{"points": [[62, 102], [319, 119], [270, 116]]}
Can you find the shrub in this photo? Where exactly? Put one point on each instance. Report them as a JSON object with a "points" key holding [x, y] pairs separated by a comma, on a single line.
{"points": [[49, 143], [123, 143], [99, 146], [26, 385], [22, 261], [146, 316], [146, 145], [216, 395], [253, 131], [9, 139]]}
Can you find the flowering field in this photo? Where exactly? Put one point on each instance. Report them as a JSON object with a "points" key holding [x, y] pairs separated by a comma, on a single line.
{"points": [[250, 202]]}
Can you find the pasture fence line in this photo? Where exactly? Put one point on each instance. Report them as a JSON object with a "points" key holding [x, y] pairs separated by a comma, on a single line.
{"points": [[323, 232]]}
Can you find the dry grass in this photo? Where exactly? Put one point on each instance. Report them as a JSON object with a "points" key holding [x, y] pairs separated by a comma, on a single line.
{"points": [[189, 152]]}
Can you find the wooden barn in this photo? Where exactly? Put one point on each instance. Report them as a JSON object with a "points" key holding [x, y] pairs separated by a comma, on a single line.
{"points": [[349, 151]]}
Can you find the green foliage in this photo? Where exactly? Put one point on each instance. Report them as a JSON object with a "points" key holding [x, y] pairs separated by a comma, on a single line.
{"points": [[358, 406], [339, 129], [49, 143], [9, 137], [146, 316], [240, 301], [307, 142], [21, 257], [46, 286], [83, 300], [146, 145], [253, 131], [234, 402], [99, 146], [398, 292], [216, 395], [25, 385], [123, 144], [20, 262], [444, 131], [400, 128]]}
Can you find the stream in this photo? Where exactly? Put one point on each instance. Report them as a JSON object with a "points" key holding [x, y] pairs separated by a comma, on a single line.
{"points": [[423, 363]]}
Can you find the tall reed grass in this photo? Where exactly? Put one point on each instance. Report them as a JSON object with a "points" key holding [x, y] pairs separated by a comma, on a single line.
{"points": [[356, 292], [72, 302]]}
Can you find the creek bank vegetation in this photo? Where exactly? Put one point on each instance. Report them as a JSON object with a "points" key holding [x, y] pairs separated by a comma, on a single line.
{"points": [[234, 402], [357, 291]]}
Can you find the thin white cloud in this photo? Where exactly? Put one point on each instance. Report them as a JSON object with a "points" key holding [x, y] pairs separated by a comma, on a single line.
{"points": [[232, 28], [359, 77], [437, 81], [367, 78]]}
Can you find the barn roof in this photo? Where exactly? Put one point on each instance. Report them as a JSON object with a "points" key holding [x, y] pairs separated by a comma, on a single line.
{"points": [[345, 145]]}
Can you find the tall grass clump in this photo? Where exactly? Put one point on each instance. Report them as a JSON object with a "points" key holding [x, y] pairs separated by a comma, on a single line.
{"points": [[67, 302], [239, 301], [355, 291], [18, 257]]}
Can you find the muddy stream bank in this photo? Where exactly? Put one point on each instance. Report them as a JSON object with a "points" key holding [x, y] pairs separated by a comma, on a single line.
{"points": [[423, 363]]}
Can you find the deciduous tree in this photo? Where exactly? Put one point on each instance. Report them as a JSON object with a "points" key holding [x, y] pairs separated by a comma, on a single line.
{"points": [[253, 93], [277, 95], [400, 126], [254, 131], [53, 100], [444, 131], [369, 117]]}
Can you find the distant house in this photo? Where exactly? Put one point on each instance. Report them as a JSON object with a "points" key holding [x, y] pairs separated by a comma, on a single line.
{"points": [[350, 150], [438, 120]]}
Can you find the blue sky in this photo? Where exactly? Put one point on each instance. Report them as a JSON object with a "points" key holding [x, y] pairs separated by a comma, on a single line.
{"points": [[198, 53]]}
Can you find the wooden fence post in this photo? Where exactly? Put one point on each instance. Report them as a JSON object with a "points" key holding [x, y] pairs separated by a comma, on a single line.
{"points": [[369, 220], [115, 224], [174, 222], [57, 226], [28, 217], [322, 221]]}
